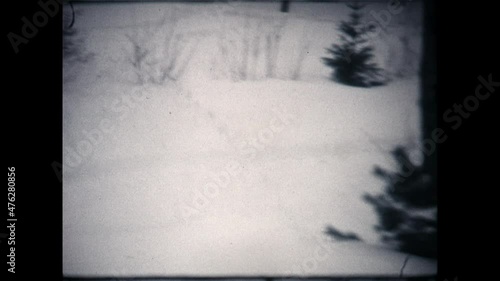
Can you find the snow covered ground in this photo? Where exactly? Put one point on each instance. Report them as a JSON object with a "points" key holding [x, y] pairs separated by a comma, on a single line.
{"points": [[210, 175]]}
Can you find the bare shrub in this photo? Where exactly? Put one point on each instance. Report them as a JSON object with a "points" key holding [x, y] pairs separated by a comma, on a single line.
{"points": [[158, 54]]}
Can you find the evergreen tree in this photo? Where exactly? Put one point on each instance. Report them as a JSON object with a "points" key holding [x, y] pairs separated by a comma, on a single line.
{"points": [[341, 236], [352, 58], [407, 209]]}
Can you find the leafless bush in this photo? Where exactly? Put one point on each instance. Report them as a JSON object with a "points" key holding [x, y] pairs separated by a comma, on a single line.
{"points": [[158, 54], [304, 50], [249, 44], [74, 52]]}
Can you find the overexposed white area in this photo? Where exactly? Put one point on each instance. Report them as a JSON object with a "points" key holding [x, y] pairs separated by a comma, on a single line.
{"points": [[208, 175]]}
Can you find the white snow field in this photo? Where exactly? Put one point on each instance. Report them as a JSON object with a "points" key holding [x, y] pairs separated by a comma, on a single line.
{"points": [[231, 167]]}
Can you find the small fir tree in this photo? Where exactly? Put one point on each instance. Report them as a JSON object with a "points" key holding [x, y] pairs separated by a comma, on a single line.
{"points": [[352, 58], [407, 209]]}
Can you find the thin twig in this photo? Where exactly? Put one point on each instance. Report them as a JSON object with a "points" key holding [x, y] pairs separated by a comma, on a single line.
{"points": [[72, 15], [403, 267]]}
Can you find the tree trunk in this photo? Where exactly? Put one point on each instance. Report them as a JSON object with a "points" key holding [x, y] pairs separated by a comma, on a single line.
{"points": [[285, 6]]}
